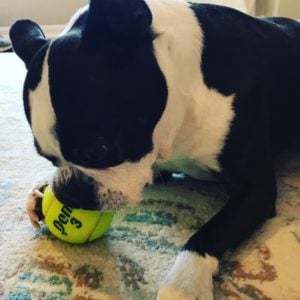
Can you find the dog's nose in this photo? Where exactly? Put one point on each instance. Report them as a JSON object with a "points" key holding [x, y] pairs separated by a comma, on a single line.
{"points": [[75, 189]]}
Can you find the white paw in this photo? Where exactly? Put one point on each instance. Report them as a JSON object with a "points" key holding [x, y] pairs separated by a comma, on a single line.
{"points": [[191, 278], [33, 200]]}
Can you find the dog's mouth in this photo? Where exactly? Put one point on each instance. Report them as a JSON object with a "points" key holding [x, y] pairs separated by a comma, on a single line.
{"points": [[109, 189], [91, 200], [112, 200], [77, 190]]}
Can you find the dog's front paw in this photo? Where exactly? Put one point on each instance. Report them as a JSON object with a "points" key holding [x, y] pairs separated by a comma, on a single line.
{"points": [[34, 204], [191, 278]]}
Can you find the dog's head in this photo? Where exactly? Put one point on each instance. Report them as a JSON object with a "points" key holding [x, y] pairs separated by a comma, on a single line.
{"points": [[93, 97]]}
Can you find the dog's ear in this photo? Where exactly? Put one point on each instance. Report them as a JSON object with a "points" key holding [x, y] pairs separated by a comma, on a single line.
{"points": [[27, 38], [117, 22]]}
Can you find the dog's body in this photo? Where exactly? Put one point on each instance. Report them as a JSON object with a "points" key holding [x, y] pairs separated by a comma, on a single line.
{"points": [[132, 86]]}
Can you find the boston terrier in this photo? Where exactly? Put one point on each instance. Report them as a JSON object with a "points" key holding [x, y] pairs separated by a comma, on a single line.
{"points": [[132, 88]]}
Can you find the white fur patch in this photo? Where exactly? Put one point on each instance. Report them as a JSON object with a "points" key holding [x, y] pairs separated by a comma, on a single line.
{"points": [[196, 120], [42, 115], [190, 278], [122, 184]]}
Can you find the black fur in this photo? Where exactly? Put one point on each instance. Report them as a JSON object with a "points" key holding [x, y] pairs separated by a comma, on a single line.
{"points": [[78, 186], [258, 61], [29, 42], [28, 38]]}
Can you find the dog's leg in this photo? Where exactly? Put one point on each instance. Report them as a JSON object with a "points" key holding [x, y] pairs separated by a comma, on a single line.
{"points": [[248, 207]]}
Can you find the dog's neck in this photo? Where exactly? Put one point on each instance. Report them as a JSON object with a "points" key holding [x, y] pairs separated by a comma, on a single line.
{"points": [[190, 126], [172, 33]]}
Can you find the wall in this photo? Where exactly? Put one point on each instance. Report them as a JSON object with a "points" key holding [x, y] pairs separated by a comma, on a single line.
{"points": [[41, 11], [289, 8], [49, 12]]}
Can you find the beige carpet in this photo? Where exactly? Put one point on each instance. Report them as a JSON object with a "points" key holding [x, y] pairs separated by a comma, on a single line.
{"points": [[130, 261]]}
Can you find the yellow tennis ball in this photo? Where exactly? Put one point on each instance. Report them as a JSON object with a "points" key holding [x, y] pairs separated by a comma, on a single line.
{"points": [[72, 225]]}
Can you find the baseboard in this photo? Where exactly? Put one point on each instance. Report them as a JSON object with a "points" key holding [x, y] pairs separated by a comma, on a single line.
{"points": [[50, 31]]}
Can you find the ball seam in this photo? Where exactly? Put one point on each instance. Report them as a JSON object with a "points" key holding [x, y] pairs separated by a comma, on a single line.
{"points": [[49, 206], [95, 226]]}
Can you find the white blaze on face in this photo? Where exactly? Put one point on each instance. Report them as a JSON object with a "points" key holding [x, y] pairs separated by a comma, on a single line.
{"points": [[42, 114]]}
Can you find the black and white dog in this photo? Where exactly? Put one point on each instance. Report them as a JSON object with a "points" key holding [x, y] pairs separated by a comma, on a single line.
{"points": [[133, 86]]}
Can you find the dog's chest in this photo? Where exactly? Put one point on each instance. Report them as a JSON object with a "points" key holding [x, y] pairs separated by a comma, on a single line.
{"points": [[200, 138]]}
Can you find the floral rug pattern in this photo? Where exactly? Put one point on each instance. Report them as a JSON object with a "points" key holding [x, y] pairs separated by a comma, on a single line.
{"points": [[132, 258]]}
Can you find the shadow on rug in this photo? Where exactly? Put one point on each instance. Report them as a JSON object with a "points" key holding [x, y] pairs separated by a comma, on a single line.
{"points": [[132, 258]]}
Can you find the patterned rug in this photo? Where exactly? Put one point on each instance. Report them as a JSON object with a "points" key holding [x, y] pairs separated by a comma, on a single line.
{"points": [[132, 258]]}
